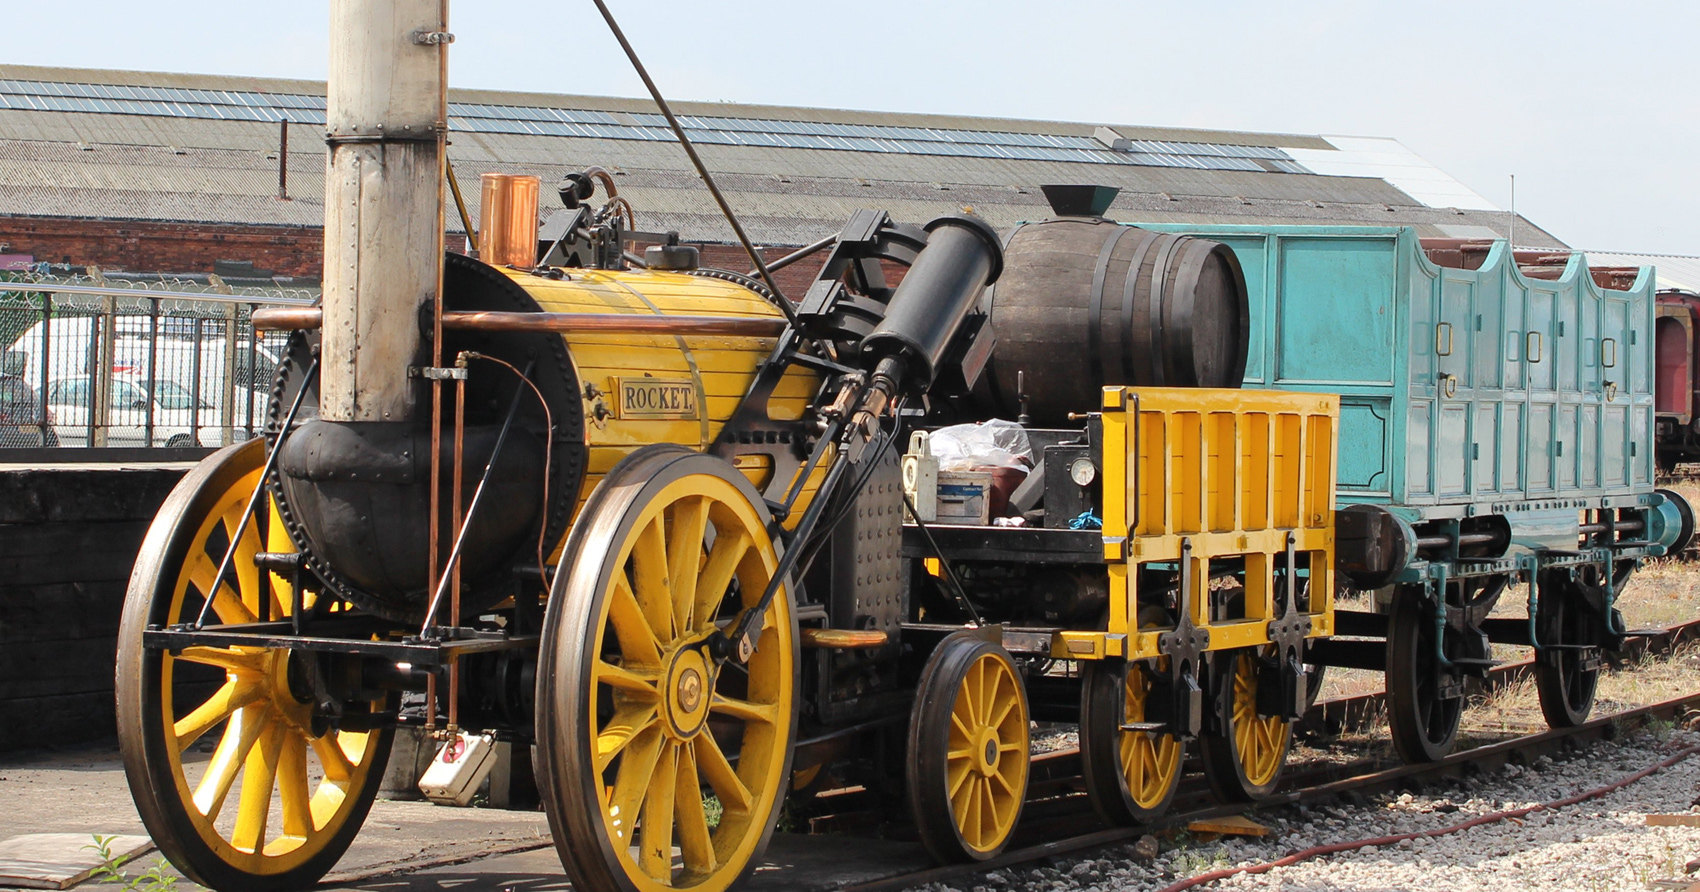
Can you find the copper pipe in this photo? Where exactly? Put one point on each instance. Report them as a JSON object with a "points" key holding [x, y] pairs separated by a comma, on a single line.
{"points": [[288, 318], [454, 569], [616, 323]]}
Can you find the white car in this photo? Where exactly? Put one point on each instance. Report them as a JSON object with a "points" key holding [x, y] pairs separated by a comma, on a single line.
{"points": [[168, 412]]}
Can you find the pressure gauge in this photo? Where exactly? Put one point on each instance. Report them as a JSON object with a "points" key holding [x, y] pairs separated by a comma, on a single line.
{"points": [[1082, 472]]}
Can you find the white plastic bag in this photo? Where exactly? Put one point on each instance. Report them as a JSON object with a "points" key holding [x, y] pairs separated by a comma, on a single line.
{"points": [[988, 444]]}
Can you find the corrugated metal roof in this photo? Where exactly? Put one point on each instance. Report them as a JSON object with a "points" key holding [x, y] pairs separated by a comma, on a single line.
{"points": [[1674, 270], [198, 169]]}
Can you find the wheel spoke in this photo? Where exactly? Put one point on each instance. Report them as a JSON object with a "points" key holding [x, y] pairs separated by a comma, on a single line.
{"points": [[239, 737], [649, 579], [337, 766], [723, 560], [957, 773], [233, 695], [722, 779], [749, 711], [292, 786], [684, 553], [655, 854], [1006, 707], [628, 681], [201, 571], [635, 632], [228, 659], [259, 778], [242, 564], [627, 723], [695, 842], [637, 767]]}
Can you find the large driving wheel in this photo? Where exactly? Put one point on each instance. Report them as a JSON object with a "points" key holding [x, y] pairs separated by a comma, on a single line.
{"points": [[1567, 672], [1131, 776], [660, 766], [278, 800], [1244, 762], [968, 749], [1422, 718]]}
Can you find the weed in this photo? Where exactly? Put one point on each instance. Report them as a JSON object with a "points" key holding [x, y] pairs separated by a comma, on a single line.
{"points": [[154, 879], [712, 810]]}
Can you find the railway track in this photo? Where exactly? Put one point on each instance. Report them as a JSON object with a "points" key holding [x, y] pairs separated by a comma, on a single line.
{"points": [[1058, 820]]}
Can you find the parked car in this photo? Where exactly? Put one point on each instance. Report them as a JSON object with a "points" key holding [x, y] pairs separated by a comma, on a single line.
{"points": [[20, 416], [177, 419], [205, 363]]}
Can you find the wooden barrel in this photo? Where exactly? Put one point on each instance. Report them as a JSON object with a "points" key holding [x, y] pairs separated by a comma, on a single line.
{"points": [[1084, 303]]}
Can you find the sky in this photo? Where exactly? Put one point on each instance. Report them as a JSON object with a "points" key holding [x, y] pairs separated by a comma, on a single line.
{"points": [[1593, 107]]}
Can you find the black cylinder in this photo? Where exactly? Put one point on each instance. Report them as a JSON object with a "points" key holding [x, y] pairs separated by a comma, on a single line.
{"points": [[1085, 303], [940, 289]]}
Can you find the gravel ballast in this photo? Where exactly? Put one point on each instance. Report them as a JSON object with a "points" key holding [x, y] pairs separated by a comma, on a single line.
{"points": [[1602, 844]]}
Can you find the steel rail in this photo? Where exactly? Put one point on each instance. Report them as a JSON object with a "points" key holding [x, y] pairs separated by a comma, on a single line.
{"points": [[1463, 764]]}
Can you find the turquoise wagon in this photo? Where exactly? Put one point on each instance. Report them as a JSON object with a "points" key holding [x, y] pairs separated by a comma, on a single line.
{"points": [[1496, 426]]}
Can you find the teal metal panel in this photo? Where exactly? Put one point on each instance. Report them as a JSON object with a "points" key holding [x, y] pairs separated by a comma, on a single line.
{"points": [[1459, 387]]}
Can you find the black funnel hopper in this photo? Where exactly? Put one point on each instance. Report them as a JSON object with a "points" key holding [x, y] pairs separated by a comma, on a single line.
{"points": [[1079, 201]]}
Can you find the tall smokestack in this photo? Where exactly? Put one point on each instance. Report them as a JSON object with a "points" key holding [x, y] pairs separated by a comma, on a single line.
{"points": [[386, 116]]}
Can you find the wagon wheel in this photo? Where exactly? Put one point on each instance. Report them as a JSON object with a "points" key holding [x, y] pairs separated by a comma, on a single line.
{"points": [[303, 791], [1423, 723], [1565, 676], [1131, 776], [1243, 763], [646, 742], [968, 749]]}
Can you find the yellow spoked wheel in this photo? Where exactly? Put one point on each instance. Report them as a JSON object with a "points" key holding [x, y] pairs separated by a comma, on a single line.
{"points": [[1131, 776], [968, 750], [1243, 763], [660, 766], [236, 782]]}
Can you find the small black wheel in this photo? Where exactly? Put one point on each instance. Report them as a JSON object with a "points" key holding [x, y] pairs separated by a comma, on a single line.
{"points": [[1245, 761], [968, 749], [1565, 676], [1131, 776], [1423, 723]]}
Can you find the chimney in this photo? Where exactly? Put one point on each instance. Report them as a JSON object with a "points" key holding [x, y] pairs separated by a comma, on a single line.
{"points": [[1079, 201], [386, 117]]}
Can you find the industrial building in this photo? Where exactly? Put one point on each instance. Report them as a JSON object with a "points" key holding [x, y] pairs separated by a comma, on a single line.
{"points": [[173, 172]]}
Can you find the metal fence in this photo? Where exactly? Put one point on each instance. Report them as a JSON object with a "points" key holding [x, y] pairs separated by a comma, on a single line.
{"points": [[155, 364]]}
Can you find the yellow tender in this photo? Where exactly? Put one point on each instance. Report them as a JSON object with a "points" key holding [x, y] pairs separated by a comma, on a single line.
{"points": [[1220, 475]]}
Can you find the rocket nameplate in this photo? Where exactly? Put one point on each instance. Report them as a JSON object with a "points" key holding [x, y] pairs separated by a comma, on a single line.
{"points": [[656, 397]]}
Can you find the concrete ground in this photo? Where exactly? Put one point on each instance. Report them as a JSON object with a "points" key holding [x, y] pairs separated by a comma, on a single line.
{"points": [[403, 846]]}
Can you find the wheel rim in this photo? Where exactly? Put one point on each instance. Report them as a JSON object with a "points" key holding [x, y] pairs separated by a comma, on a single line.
{"points": [[987, 755], [1423, 724], [1566, 689], [1131, 775], [1151, 763], [968, 749], [276, 803], [1260, 742], [663, 734]]}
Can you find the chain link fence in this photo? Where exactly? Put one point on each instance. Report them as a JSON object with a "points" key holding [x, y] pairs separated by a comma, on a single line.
{"points": [[151, 363]]}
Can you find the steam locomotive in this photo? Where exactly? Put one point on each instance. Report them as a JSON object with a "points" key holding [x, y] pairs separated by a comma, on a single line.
{"points": [[677, 534]]}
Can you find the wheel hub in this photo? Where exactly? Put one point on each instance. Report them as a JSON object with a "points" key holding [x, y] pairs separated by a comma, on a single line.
{"points": [[986, 752], [689, 685], [287, 681]]}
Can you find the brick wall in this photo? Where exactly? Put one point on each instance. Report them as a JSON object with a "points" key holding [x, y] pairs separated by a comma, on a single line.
{"points": [[68, 538], [156, 247], [149, 246]]}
